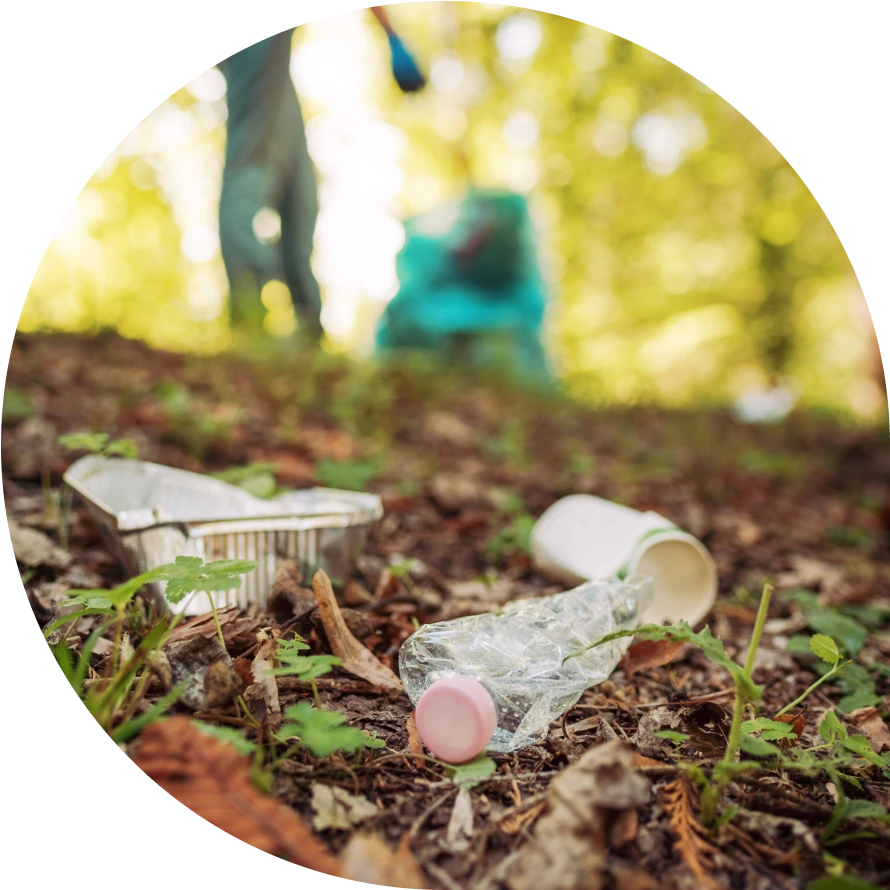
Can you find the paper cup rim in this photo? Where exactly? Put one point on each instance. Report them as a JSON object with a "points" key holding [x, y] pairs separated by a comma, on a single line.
{"points": [[662, 602]]}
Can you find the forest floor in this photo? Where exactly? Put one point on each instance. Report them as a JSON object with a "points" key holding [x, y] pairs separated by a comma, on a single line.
{"points": [[463, 467]]}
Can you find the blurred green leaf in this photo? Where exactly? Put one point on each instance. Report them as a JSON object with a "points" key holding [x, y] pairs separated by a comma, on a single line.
{"points": [[349, 475], [472, 772]]}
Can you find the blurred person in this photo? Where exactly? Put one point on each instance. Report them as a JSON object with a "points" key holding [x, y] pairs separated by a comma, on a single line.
{"points": [[268, 204], [470, 286]]}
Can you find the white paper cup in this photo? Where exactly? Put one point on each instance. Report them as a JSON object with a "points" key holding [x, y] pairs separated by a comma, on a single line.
{"points": [[582, 537]]}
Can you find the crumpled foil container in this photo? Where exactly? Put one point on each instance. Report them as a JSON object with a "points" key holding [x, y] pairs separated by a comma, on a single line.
{"points": [[149, 514]]}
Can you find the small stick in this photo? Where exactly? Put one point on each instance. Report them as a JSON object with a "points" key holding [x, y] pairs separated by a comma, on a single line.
{"points": [[418, 823], [689, 701]]}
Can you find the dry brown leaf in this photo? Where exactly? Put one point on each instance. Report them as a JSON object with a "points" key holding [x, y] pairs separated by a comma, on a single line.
{"points": [[263, 663], [642, 761], [387, 584], [414, 742], [808, 572], [335, 807], [649, 654], [797, 724], [646, 740], [516, 821], [585, 725], [322, 443], [231, 619], [629, 877], [202, 625], [454, 491], [677, 799], [460, 826], [244, 669], [356, 594], [624, 829], [568, 848], [873, 726], [444, 427], [34, 549], [368, 858], [213, 780], [357, 659]]}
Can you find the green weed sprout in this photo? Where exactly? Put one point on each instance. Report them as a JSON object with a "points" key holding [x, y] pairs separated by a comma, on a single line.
{"points": [[114, 699], [755, 737]]}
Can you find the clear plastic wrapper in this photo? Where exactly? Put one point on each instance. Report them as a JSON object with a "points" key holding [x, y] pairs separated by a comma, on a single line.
{"points": [[525, 656]]}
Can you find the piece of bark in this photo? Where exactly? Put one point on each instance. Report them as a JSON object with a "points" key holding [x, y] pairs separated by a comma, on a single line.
{"points": [[205, 668], [288, 598]]}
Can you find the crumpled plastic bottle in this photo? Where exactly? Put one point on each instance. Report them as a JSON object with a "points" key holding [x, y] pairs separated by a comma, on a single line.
{"points": [[497, 681]]}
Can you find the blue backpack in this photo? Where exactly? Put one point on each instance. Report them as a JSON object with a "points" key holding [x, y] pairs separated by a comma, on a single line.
{"points": [[470, 286]]}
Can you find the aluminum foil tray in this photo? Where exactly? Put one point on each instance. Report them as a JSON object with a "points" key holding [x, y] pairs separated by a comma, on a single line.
{"points": [[150, 514]]}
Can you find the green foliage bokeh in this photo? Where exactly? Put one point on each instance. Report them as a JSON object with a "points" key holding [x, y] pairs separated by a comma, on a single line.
{"points": [[686, 259]]}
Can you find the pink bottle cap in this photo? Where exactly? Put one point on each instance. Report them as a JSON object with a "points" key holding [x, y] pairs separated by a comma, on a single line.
{"points": [[456, 718]]}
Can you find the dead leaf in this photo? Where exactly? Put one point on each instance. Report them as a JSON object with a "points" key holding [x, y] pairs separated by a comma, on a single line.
{"points": [[497, 591], [872, 725], [126, 649], [453, 491], [447, 428], [337, 808], [81, 578], [568, 848], [585, 725], [31, 447], [34, 549], [160, 667], [657, 720], [677, 798], [322, 443], [244, 669], [356, 594], [605, 732], [811, 573], [642, 761], [103, 647], [50, 594], [232, 620], [460, 825], [521, 817], [291, 469], [414, 742], [797, 724], [649, 654], [206, 670], [201, 625], [357, 660], [288, 597], [707, 724], [629, 877], [624, 829], [368, 858], [361, 625], [263, 663], [213, 780]]}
